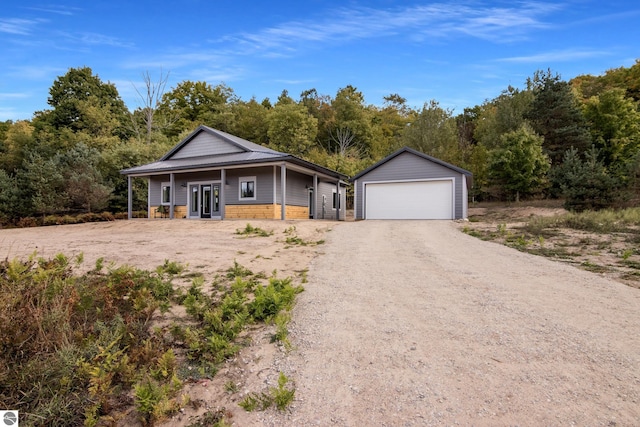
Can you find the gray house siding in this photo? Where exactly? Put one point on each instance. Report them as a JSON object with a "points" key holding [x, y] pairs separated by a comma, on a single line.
{"points": [[324, 205], [264, 186], [205, 144], [297, 191], [405, 167]]}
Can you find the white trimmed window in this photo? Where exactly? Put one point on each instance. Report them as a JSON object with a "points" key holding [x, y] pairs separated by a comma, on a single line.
{"points": [[336, 199], [165, 193], [247, 187]]}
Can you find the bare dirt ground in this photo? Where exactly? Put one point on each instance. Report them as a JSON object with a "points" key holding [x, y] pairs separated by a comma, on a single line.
{"points": [[402, 323], [612, 255]]}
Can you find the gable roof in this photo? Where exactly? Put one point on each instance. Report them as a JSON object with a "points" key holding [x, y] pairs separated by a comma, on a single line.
{"points": [[235, 144], [221, 149], [416, 153]]}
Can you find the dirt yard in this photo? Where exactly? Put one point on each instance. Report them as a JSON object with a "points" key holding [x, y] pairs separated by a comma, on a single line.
{"points": [[402, 323]]}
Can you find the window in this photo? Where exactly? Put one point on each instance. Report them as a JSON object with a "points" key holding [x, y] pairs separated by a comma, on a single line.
{"points": [[247, 188], [166, 193], [336, 199]]}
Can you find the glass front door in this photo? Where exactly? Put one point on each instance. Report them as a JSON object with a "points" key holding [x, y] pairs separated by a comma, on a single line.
{"points": [[205, 205], [204, 200]]}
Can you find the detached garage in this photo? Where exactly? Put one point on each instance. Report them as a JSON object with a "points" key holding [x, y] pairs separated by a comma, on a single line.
{"points": [[409, 184]]}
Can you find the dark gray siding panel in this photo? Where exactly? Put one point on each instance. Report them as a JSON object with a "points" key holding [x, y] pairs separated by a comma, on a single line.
{"points": [[407, 166], [264, 186], [206, 144]]}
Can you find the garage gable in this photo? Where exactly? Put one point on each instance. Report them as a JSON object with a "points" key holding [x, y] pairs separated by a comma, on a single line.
{"points": [[411, 185]]}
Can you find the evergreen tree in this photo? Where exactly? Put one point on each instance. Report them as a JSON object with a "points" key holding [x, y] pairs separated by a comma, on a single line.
{"points": [[555, 114], [586, 184]]}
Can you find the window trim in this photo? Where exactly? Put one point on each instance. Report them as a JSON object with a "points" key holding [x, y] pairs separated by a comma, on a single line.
{"points": [[164, 185], [247, 179]]}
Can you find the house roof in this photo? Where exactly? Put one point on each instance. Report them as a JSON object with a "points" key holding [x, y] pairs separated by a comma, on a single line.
{"points": [[239, 152], [417, 153]]}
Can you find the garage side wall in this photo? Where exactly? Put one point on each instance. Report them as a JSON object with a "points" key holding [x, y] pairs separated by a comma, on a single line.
{"points": [[405, 167]]}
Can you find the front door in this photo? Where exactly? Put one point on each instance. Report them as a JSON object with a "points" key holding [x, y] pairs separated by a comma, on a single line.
{"points": [[205, 201]]}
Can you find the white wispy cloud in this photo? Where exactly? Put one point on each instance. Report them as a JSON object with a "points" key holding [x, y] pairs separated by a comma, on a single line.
{"points": [[57, 9], [67, 40], [419, 23], [556, 56], [23, 27]]}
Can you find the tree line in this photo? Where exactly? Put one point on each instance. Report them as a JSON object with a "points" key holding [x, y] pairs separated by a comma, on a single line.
{"points": [[578, 139]]}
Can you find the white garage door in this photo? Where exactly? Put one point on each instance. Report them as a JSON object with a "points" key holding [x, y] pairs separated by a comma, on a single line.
{"points": [[409, 200]]}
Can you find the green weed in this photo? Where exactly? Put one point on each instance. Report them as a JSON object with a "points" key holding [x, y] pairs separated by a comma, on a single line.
{"points": [[281, 396], [250, 231]]}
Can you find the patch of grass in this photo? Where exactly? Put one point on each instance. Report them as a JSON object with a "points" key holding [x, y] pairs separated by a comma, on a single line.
{"points": [[231, 387], [631, 264], [603, 221], [251, 231], [594, 268]]}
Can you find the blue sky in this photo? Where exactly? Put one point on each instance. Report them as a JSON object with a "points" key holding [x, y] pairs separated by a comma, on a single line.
{"points": [[459, 53]]}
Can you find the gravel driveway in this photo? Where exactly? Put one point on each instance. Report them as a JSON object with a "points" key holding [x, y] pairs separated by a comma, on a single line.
{"points": [[409, 323]]}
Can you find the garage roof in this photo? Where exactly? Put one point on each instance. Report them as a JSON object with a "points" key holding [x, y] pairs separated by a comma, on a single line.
{"points": [[419, 154]]}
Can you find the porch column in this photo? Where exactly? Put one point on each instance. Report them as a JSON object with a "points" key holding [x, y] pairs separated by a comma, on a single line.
{"points": [[173, 195], [223, 179], [283, 191], [129, 197], [315, 195]]}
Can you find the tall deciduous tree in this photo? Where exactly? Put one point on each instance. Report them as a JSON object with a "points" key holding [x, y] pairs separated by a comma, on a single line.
{"points": [[350, 112], [150, 97], [519, 165], [615, 125], [82, 102], [291, 129], [501, 115], [250, 121], [434, 133], [197, 103]]}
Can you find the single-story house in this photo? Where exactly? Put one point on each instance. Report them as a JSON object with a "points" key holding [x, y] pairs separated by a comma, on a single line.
{"points": [[409, 184], [214, 175]]}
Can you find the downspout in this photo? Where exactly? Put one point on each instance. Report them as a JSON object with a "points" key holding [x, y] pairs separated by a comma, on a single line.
{"points": [[315, 195], [283, 190], [338, 201], [355, 199], [129, 198], [173, 195]]}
